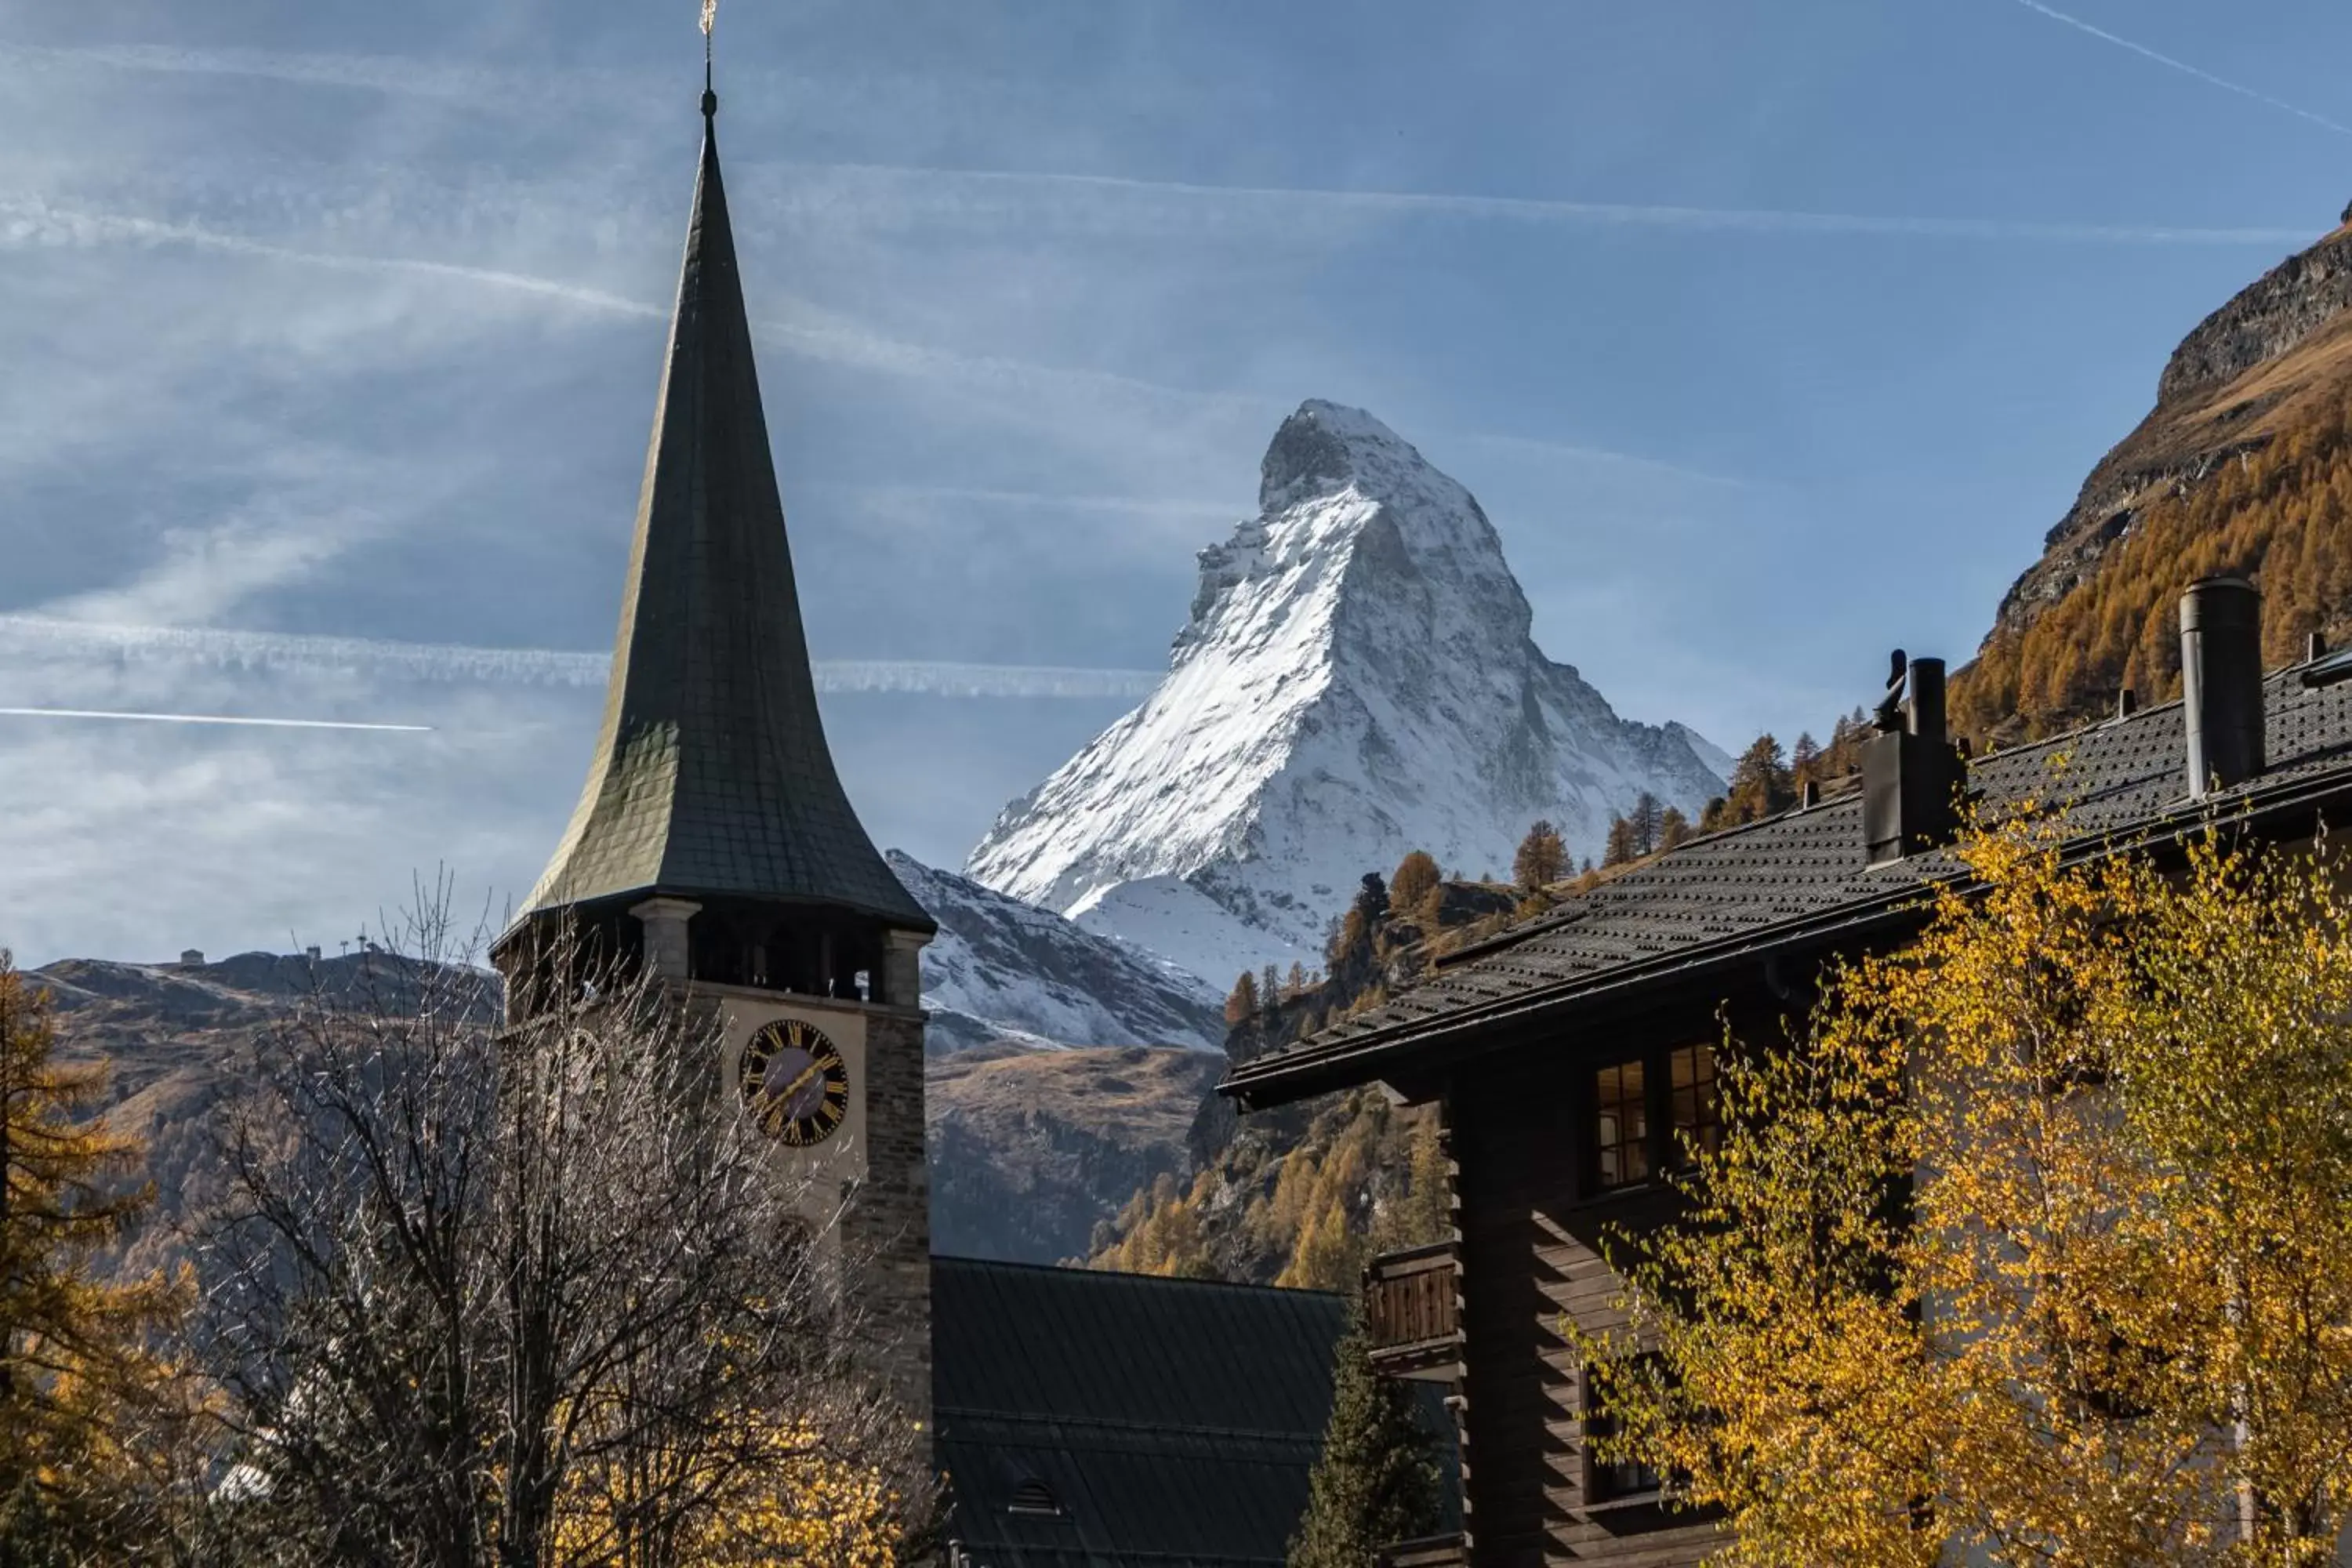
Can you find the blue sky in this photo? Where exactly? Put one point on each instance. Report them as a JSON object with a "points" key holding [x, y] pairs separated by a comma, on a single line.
{"points": [[1769, 336]]}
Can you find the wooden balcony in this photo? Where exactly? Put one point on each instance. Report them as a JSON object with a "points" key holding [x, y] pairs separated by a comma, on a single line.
{"points": [[1429, 1552], [1409, 1310]]}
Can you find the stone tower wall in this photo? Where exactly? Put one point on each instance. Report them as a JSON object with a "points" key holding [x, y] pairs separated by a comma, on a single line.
{"points": [[887, 1230]]}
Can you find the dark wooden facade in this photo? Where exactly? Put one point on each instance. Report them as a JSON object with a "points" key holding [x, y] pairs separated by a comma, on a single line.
{"points": [[1537, 1218]]}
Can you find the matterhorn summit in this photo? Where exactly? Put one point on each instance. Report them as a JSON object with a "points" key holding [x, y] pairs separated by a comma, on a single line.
{"points": [[1356, 680]]}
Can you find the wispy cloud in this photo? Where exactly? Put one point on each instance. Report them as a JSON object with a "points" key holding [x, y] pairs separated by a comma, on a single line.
{"points": [[2184, 69], [53, 637], [245, 721], [30, 221], [1281, 201], [900, 191], [454, 80]]}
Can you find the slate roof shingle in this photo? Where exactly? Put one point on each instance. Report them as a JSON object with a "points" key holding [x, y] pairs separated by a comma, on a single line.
{"points": [[1807, 870]]}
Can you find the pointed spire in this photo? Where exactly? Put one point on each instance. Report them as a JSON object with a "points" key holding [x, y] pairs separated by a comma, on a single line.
{"points": [[711, 776]]}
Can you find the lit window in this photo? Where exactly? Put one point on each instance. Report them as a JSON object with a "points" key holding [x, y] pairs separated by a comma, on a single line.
{"points": [[1698, 1112], [1621, 1124]]}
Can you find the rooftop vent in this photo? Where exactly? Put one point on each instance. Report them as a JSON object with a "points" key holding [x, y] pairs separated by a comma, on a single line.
{"points": [[1911, 772], [1033, 1499], [2221, 682]]}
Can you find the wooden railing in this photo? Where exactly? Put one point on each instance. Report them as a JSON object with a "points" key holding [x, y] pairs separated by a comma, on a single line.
{"points": [[1430, 1551], [1409, 1312]]}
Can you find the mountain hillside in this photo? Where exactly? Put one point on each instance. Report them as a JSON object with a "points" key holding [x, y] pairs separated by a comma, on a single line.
{"points": [[2242, 466], [1033, 1151], [1030, 1149], [1302, 1194], [1356, 680], [1004, 970]]}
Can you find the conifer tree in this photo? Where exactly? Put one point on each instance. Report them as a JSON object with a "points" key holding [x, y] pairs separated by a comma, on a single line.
{"points": [[1674, 827], [1297, 982], [73, 1356], [1376, 1482], [1620, 847], [1269, 992], [1805, 758], [1240, 1003], [1644, 820], [1760, 782], [1372, 899], [1416, 878], [1542, 857]]}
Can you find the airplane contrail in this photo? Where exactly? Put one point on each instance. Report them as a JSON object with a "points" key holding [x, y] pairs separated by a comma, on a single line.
{"points": [[53, 637], [212, 719], [2184, 69]]}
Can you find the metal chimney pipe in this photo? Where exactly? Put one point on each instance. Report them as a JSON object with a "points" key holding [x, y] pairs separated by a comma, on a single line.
{"points": [[2221, 682], [1927, 703]]}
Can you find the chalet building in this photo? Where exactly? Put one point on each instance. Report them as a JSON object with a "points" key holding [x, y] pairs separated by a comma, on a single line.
{"points": [[1568, 1057], [1079, 1418]]}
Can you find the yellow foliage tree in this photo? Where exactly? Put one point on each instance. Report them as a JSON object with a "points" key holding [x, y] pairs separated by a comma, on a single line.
{"points": [[1416, 880], [2036, 1246], [784, 1493], [75, 1357]]}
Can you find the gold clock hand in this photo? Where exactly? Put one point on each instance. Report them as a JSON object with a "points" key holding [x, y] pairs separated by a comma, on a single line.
{"points": [[793, 1088]]}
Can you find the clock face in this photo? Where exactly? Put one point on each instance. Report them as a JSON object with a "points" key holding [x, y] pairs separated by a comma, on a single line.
{"points": [[796, 1082]]}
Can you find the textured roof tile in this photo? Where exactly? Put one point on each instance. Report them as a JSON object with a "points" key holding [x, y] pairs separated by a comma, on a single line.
{"points": [[1812, 864]]}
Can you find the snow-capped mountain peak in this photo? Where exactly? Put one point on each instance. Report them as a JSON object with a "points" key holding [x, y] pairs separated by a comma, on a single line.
{"points": [[1355, 679]]}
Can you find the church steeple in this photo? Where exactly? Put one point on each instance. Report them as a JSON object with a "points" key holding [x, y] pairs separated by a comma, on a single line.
{"points": [[711, 786]]}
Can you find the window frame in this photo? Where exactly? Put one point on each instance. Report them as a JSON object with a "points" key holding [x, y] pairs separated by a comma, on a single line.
{"points": [[1663, 1152], [1611, 1483]]}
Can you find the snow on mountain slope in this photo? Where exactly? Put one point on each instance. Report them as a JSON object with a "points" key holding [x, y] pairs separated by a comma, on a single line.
{"points": [[1004, 970], [1356, 680]]}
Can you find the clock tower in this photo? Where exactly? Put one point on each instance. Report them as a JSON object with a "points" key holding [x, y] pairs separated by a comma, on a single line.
{"points": [[713, 843]]}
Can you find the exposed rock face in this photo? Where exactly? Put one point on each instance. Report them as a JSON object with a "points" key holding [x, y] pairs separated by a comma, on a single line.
{"points": [[2250, 369], [1004, 970], [1356, 680]]}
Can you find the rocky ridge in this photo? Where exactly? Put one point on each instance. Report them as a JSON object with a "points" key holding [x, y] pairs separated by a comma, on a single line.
{"points": [[2261, 364], [1356, 678]]}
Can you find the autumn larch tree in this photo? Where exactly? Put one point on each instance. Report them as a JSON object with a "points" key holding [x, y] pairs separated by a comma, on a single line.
{"points": [[1416, 878], [77, 1356], [2034, 1250], [1541, 859], [1241, 1001], [1761, 783], [1674, 827], [1620, 845]]}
